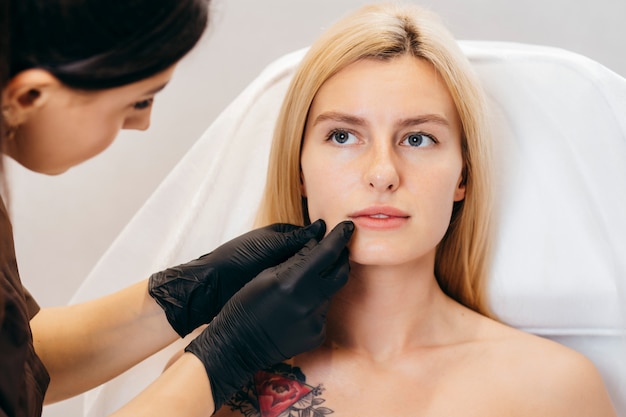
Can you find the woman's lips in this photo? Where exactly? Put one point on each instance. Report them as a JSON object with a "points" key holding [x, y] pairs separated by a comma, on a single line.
{"points": [[379, 218]]}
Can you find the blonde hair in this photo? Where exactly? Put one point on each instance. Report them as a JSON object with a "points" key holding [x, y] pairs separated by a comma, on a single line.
{"points": [[385, 31]]}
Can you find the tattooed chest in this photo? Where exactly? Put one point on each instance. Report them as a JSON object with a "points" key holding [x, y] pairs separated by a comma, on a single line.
{"points": [[281, 391]]}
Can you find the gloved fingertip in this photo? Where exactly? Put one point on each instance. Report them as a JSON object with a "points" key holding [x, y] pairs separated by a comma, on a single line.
{"points": [[348, 228], [317, 228], [344, 229]]}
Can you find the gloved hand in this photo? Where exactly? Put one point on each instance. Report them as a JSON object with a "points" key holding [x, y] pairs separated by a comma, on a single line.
{"points": [[280, 313], [193, 293]]}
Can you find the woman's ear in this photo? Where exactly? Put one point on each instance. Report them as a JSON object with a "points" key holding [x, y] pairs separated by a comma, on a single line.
{"points": [[459, 193], [26, 93]]}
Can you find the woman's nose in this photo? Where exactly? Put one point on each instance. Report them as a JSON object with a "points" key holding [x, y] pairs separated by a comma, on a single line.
{"points": [[381, 172]]}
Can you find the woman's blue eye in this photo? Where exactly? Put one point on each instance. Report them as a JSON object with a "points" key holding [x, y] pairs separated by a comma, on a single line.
{"points": [[144, 104], [419, 139], [342, 137]]}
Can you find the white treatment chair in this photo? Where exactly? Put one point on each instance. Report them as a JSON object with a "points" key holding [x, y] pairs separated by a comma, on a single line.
{"points": [[560, 261]]}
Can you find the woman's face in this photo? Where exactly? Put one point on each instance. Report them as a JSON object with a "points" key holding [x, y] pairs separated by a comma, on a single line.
{"points": [[72, 126], [382, 148]]}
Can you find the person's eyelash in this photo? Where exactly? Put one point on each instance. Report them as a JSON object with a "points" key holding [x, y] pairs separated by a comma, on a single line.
{"points": [[144, 104]]}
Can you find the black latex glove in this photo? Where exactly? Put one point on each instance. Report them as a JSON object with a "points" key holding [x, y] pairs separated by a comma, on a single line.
{"points": [[276, 316], [193, 293]]}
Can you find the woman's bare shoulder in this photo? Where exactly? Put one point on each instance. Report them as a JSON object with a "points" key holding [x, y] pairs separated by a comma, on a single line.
{"points": [[548, 378]]}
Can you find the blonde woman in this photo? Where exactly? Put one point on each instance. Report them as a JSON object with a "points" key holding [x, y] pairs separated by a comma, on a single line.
{"points": [[384, 125]]}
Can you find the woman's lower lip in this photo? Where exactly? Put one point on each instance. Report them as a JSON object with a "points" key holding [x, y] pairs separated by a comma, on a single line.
{"points": [[378, 223]]}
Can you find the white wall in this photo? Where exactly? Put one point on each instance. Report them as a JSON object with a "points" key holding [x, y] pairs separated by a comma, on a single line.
{"points": [[63, 224]]}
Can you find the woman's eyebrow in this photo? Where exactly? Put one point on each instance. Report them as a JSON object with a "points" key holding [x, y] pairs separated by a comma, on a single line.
{"points": [[359, 121], [339, 117], [424, 119]]}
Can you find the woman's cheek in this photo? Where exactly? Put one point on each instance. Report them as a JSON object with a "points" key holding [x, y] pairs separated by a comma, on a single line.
{"points": [[326, 197], [316, 212]]}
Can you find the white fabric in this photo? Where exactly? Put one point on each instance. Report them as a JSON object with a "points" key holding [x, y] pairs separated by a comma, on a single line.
{"points": [[560, 262]]}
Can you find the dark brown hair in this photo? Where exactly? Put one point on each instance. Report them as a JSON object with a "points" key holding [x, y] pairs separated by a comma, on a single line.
{"points": [[96, 44]]}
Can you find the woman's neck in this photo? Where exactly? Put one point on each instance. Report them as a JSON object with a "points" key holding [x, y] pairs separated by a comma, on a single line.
{"points": [[384, 311]]}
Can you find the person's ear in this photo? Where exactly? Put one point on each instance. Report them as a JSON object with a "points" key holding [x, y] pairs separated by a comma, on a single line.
{"points": [[459, 192], [25, 94]]}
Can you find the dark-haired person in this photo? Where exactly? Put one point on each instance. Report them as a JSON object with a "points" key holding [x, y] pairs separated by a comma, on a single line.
{"points": [[73, 73]]}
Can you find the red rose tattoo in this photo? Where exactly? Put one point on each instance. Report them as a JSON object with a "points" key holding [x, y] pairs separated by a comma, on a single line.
{"points": [[279, 392], [276, 393]]}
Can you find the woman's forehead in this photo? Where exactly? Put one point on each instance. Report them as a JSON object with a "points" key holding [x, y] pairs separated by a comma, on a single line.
{"points": [[405, 86]]}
